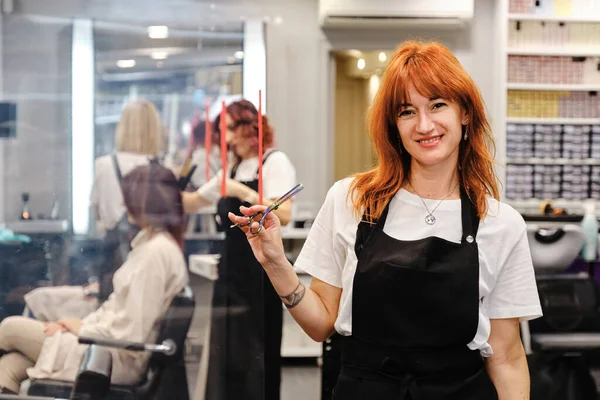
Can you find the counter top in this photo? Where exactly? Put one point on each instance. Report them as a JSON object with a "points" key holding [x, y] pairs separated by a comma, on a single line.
{"points": [[286, 234], [38, 226]]}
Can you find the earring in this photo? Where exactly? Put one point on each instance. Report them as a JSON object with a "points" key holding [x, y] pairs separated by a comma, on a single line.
{"points": [[465, 136]]}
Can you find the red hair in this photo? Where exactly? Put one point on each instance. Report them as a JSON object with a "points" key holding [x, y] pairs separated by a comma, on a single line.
{"points": [[245, 124], [434, 72]]}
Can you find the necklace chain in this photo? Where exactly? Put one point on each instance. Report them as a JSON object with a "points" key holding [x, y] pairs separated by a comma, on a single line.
{"points": [[429, 218]]}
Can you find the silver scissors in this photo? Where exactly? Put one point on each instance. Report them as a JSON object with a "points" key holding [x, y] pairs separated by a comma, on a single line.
{"points": [[274, 206]]}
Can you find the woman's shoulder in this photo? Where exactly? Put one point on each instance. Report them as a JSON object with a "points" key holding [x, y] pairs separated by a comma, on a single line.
{"points": [[504, 218], [339, 197], [277, 157], [163, 242]]}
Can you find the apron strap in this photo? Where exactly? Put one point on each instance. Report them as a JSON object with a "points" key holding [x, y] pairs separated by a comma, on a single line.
{"points": [[470, 220], [265, 157], [235, 166], [365, 229]]}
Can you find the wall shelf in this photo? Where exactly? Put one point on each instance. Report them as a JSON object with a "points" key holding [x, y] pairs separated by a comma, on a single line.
{"points": [[554, 121], [556, 18], [553, 161], [555, 87], [540, 51], [533, 205], [536, 41]]}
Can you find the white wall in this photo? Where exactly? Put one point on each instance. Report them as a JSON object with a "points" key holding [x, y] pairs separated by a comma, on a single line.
{"points": [[36, 74]]}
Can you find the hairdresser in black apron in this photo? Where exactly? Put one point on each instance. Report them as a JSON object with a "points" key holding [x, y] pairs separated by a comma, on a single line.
{"points": [[405, 357], [247, 315], [416, 263], [246, 341]]}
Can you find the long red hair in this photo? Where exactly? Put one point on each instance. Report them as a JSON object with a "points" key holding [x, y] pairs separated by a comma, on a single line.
{"points": [[435, 73]]}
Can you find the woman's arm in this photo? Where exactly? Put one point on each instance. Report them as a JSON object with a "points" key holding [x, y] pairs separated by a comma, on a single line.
{"points": [[283, 212], [192, 201], [507, 367], [245, 193], [72, 325], [315, 308]]}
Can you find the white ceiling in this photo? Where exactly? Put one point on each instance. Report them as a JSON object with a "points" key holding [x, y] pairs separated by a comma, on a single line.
{"points": [[201, 33]]}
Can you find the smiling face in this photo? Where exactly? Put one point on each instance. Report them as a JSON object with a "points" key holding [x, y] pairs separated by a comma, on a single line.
{"points": [[431, 129]]}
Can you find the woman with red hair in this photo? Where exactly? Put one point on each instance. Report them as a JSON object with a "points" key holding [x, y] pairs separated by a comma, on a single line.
{"points": [[246, 328], [416, 263]]}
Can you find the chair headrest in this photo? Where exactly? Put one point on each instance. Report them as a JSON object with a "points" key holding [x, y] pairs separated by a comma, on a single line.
{"points": [[554, 250]]}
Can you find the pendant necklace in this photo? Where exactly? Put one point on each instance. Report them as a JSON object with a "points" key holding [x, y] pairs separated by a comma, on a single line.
{"points": [[429, 218]]}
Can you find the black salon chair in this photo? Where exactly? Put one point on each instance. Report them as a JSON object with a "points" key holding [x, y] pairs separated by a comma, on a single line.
{"points": [[569, 301], [166, 377], [559, 343]]}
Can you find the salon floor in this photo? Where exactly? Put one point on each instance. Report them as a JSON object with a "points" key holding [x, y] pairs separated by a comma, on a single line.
{"points": [[300, 378]]}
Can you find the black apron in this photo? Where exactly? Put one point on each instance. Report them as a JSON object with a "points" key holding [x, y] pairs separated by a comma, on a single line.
{"points": [[247, 319], [415, 307]]}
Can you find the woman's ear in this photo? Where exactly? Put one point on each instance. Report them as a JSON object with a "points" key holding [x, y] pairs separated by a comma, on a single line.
{"points": [[464, 119]]}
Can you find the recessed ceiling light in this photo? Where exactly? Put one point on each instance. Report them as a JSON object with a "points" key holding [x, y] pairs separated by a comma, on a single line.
{"points": [[239, 54], [361, 64], [126, 63], [159, 55], [158, 32], [382, 57]]}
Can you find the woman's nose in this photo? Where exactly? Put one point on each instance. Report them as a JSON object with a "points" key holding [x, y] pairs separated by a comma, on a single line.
{"points": [[425, 123]]}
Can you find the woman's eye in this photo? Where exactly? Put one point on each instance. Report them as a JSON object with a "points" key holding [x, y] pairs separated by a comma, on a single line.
{"points": [[404, 113], [438, 105]]}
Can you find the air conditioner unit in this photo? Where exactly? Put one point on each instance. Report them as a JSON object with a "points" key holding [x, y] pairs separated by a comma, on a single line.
{"points": [[395, 13]]}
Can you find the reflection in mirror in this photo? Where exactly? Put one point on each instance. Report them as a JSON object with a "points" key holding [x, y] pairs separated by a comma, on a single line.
{"points": [[180, 69]]}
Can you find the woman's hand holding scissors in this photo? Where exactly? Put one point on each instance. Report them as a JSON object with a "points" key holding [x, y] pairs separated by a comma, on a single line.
{"points": [[263, 230], [266, 244]]}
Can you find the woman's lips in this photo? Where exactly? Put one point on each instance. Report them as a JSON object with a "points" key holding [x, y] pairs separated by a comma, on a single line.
{"points": [[431, 142]]}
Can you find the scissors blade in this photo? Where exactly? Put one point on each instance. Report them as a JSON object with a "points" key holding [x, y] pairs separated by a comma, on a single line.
{"points": [[291, 193], [288, 195]]}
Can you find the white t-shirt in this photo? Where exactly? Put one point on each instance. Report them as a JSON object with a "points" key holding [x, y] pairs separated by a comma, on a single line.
{"points": [[279, 176], [199, 160], [507, 283], [106, 197]]}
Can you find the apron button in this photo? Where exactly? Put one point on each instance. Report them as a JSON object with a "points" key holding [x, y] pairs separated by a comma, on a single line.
{"points": [[470, 239]]}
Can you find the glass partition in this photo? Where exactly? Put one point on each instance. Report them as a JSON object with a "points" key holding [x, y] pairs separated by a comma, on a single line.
{"points": [[79, 251]]}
